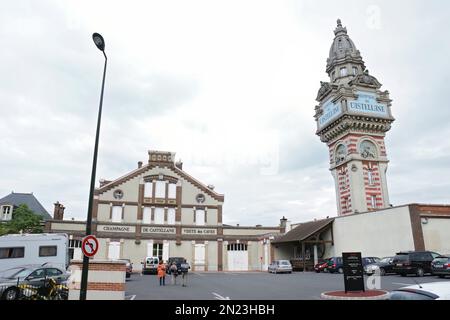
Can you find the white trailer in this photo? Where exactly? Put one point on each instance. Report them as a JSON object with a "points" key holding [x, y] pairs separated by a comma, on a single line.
{"points": [[25, 249]]}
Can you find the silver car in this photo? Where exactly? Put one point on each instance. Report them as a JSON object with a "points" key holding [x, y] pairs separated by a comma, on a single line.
{"points": [[280, 266], [34, 275]]}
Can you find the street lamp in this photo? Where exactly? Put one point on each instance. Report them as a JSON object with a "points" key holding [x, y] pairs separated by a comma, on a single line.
{"points": [[100, 43]]}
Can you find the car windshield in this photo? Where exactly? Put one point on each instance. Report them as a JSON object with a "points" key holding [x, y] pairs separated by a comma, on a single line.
{"points": [[15, 273], [441, 259], [284, 263], [152, 261], [385, 260]]}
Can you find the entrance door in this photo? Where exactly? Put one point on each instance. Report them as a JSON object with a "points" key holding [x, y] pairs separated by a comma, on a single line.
{"points": [[237, 257], [199, 257]]}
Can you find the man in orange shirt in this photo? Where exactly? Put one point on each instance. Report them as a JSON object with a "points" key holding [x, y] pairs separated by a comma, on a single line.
{"points": [[162, 273]]}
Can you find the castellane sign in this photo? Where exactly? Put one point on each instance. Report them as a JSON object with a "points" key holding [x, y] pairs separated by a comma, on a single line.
{"points": [[367, 103], [330, 112]]}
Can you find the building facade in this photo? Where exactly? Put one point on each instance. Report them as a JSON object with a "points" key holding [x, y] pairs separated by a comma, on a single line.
{"points": [[352, 118], [159, 210]]}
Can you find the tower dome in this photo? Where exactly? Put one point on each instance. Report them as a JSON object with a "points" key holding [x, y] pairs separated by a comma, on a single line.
{"points": [[343, 50]]}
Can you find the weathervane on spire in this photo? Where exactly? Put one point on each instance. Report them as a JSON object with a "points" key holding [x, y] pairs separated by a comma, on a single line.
{"points": [[339, 23]]}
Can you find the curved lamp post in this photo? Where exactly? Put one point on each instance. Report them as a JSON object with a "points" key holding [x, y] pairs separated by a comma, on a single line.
{"points": [[100, 43]]}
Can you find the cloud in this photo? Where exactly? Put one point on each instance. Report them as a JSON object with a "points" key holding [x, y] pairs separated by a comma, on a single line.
{"points": [[230, 86]]}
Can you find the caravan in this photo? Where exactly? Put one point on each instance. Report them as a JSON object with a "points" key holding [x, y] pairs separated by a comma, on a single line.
{"points": [[34, 249]]}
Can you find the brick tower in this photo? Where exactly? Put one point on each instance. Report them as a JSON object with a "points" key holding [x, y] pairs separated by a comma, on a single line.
{"points": [[352, 118]]}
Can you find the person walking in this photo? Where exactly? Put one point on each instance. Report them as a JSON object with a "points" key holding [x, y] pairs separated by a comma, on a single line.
{"points": [[162, 273], [174, 273], [184, 273]]}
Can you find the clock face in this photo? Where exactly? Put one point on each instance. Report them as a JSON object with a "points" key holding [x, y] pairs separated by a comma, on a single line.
{"points": [[368, 149], [200, 198], [341, 153], [118, 194]]}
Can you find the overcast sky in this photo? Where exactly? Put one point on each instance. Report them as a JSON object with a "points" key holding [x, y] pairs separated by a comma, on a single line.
{"points": [[230, 86]]}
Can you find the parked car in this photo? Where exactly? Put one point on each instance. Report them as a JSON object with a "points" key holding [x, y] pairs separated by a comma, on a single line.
{"points": [[414, 262], [335, 264], [150, 265], [129, 267], [424, 291], [440, 266], [385, 266], [178, 261], [369, 260], [280, 266], [34, 275], [321, 266]]}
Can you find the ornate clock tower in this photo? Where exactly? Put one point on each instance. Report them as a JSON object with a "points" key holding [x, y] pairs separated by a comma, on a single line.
{"points": [[352, 118]]}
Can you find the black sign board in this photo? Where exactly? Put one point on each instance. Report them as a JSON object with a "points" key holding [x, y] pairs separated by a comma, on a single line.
{"points": [[353, 272]]}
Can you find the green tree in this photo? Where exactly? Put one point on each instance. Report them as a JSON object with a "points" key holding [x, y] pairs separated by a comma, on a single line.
{"points": [[23, 220]]}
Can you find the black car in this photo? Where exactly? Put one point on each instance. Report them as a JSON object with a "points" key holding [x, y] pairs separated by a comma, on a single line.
{"points": [[414, 262], [178, 261], [384, 266], [440, 266]]}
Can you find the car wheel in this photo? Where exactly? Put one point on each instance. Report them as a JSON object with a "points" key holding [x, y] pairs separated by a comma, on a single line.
{"points": [[403, 274], [340, 270], [441, 276], [382, 272], [11, 294], [420, 272], [317, 271]]}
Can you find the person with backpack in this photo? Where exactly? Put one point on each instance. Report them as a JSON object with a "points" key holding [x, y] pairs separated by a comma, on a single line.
{"points": [[174, 273], [184, 273]]}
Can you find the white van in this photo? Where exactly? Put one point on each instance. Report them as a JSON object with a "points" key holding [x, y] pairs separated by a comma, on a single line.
{"points": [[26, 249], [150, 265]]}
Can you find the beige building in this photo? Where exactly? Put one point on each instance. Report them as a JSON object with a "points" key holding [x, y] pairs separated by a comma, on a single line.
{"points": [[159, 210]]}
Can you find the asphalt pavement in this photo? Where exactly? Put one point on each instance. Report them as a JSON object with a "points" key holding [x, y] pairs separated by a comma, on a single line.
{"points": [[252, 286]]}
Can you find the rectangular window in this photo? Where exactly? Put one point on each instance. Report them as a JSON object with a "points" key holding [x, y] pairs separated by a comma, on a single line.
{"points": [[114, 250], [147, 216], [11, 253], [148, 189], [159, 215], [116, 214], [373, 200], [172, 191], [370, 176], [355, 71], [160, 191], [171, 216], [48, 251], [200, 217], [158, 250], [6, 213], [343, 72]]}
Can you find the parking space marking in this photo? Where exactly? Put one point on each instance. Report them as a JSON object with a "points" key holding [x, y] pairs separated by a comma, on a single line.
{"points": [[219, 297], [131, 297], [199, 274]]}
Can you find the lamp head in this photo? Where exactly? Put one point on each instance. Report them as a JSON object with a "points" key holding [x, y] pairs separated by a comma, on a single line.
{"points": [[99, 42]]}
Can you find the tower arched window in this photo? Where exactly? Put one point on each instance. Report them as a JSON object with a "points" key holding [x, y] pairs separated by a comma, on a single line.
{"points": [[343, 72]]}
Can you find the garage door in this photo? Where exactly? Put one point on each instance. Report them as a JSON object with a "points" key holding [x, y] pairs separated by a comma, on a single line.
{"points": [[237, 257]]}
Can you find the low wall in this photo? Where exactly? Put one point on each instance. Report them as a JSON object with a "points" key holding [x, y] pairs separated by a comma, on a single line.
{"points": [[106, 280]]}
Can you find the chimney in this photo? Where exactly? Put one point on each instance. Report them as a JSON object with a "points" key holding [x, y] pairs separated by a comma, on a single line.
{"points": [[139, 164], [58, 212], [283, 222]]}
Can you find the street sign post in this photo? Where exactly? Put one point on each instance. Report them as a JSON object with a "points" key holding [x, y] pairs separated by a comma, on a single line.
{"points": [[353, 272], [89, 246]]}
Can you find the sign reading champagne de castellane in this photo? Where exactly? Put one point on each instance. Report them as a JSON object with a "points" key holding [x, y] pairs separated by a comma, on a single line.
{"points": [[353, 271]]}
